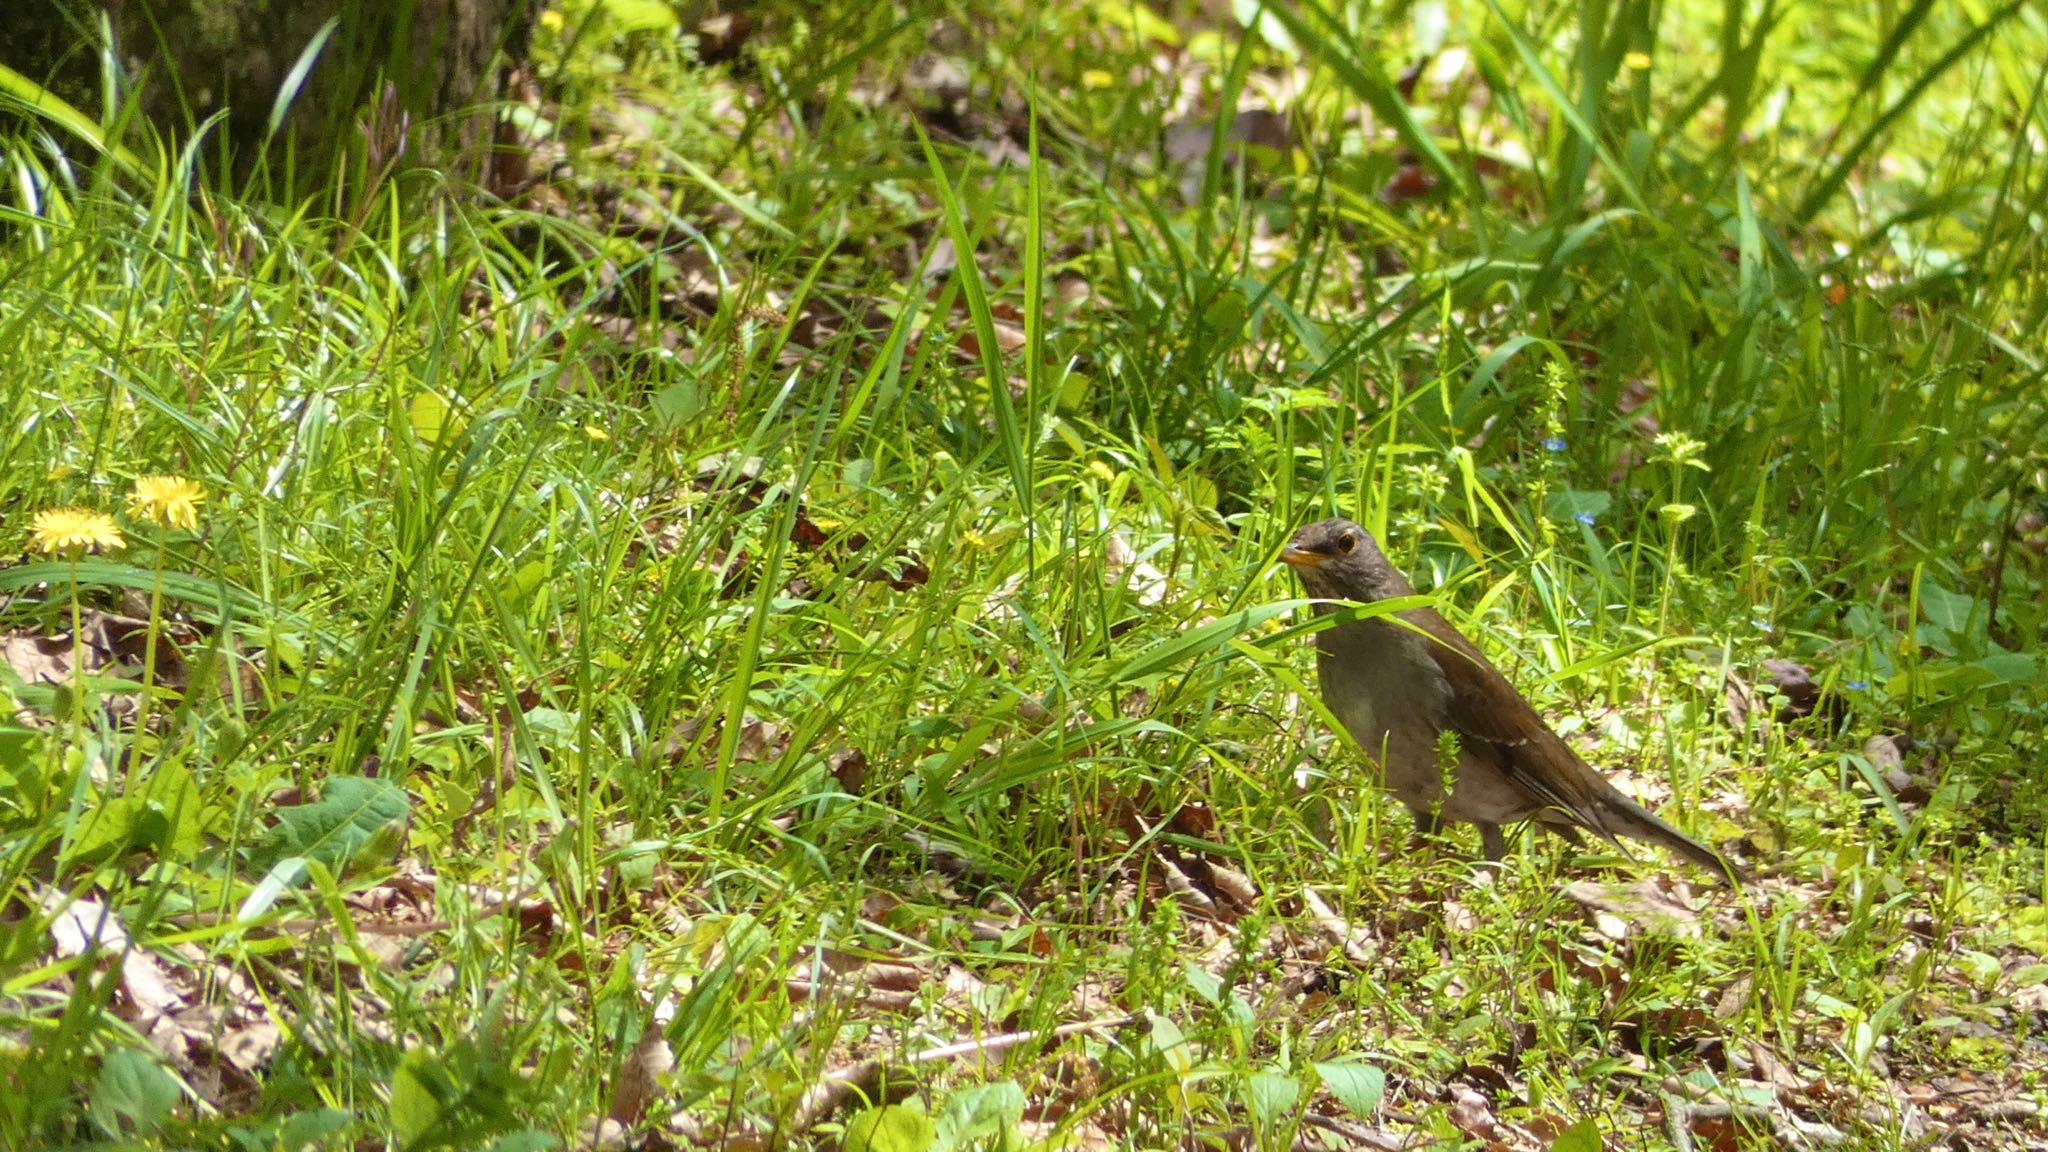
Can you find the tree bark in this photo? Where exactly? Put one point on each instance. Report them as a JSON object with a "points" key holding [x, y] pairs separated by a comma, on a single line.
{"points": [[425, 64]]}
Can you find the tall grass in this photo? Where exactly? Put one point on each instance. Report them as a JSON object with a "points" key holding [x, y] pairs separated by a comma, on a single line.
{"points": [[728, 591]]}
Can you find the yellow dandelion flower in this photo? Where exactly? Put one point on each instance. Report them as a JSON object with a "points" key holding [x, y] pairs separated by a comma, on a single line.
{"points": [[74, 530], [1640, 61], [166, 500]]}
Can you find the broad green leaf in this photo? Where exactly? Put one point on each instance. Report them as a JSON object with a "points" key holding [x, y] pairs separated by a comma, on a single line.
{"points": [[629, 16], [1170, 1043], [2012, 667], [678, 403], [1359, 1087], [1271, 1096], [1203, 983], [1138, 19], [432, 418], [353, 815], [163, 814], [306, 1128], [890, 1128], [21, 771], [1253, 15], [1947, 609], [2029, 927], [1583, 1136], [980, 1116], [132, 1094], [420, 1092], [1571, 503]]}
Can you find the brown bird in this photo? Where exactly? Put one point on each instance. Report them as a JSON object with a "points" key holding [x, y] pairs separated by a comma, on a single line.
{"points": [[1398, 689]]}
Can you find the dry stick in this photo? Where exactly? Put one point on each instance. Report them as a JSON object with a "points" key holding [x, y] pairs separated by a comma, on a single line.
{"points": [[1787, 1128], [820, 1099], [299, 926], [1358, 1135]]}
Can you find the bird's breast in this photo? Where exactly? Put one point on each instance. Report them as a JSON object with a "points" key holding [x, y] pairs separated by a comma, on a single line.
{"points": [[1386, 689]]}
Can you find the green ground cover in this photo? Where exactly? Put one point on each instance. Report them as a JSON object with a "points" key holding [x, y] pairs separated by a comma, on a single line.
{"points": [[760, 622]]}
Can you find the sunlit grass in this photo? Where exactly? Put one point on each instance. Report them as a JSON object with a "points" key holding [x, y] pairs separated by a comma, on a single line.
{"points": [[731, 591]]}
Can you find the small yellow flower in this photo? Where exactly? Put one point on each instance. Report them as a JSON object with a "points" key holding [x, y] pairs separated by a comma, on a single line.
{"points": [[74, 530], [596, 433], [1640, 61], [166, 500]]}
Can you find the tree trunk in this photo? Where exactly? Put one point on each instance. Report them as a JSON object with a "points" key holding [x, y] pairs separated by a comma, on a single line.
{"points": [[420, 64]]}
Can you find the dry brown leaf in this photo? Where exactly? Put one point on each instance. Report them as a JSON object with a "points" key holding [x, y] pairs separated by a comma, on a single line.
{"points": [[1233, 888], [849, 768], [1738, 703], [2031, 998], [1644, 904], [601, 1134], [758, 739], [1009, 340], [1775, 1072], [883, 984], [1458, 918], [640, 1077], [149, 984], [834, 1088], [35, 658], [156, 998], [1593, 967], [895, 975], [965, 995], [1357, 945], [249, 1046], [1473, 1113], [1734, 998], [1184, 890]]}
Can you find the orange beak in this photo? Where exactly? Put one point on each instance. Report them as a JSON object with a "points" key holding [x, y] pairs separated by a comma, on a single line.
{"points": [[1301, 558]]}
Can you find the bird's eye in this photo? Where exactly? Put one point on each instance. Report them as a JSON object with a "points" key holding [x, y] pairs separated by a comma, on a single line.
{"points": [[1346, 543]]}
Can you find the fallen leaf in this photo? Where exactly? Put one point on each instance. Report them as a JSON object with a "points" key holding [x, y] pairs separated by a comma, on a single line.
{"points": [[1642, 904], [640, 1077], [1473, 1113], [849, 768], [248, 1048]]}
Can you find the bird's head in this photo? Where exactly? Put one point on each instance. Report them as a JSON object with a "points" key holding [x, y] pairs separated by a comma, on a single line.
{"points": [[1338, 560]]}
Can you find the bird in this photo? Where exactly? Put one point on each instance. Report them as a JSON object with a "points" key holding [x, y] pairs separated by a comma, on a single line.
{"points": [[1398, 683]]}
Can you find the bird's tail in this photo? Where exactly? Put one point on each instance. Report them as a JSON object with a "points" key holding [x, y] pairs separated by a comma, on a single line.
{"points": [[1621, 816]]}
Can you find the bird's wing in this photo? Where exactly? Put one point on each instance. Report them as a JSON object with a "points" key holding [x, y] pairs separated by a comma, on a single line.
{"points": [[1494, 721]]}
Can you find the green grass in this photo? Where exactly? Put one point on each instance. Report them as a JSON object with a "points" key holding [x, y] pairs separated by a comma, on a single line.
{"points": [[692, 603]]}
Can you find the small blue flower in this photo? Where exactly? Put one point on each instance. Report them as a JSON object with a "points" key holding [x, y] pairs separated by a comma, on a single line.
{"points": [[1857, 685], [1583, 517], [1553, 444]]}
